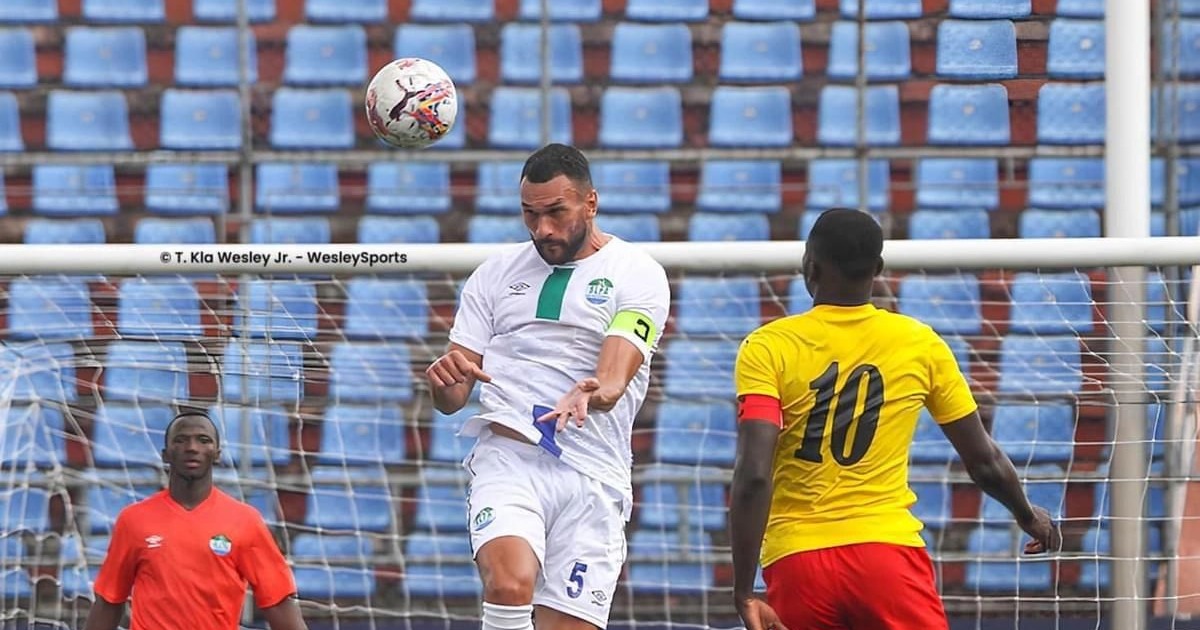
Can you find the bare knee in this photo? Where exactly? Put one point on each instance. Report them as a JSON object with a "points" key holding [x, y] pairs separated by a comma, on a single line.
{"points": [[508, 569], [508, 590]]}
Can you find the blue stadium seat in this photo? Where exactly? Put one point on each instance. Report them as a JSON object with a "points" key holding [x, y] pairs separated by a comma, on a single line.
{"points": [[1051, 303], [888, 51], [977, 49], [633, 186], [350, 500], [451, 11], [667, 10], [996, 567], [882, 9], [441, 501], [25, 510], [1182, 110], [60, 189], [289, 230], [562, 11], [270, 439], [12, 549], [694, 433], [1071, 113], [296, 187], [10, 124], [130, 434], [311, 119], [332, 548], [451, 46], [64, 231], [1040, 364], [516, 115], [227, 10], [439, 566], [837, 118], [39, 371], [727, 306], [498, 187], [1035, 223], [663, 572], [1035, 433], [760, 52], [277, 309], [33, 435], [79, 582], [661, 505], [750, 117], [362, 435], [496, 229], [740, 186], [326, 55], [1066, 182], [834, 182], [933, 500], [124, 11], [29, 11], [1080, 8], [968, 115], [1046, 487], [444, 443], [87, 121], [958, 183], [273, 372], [701, 369], [651, 53], [641, 118], [722, 226], [1180, 56], [929, 445], [1158, 300], [196, 231], [146, 371], [418, 229], [187, 189], [200, 120], [767, 10], [366, 11], [1076, 49], [386, 309], [1187, 172], [799, 300], [949, 303], [104, 56], [949, 224], [324, 583], [637, 228], [1096, 573], [369, 373], [158, 308], [521, 53], [989, 9], [49, 307], [105, 502], [18, 60]]}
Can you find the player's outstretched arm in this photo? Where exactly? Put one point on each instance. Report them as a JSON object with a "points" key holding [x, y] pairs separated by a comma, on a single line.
{"points": [[285, 615], [749, 506], [994, 473], [104, 615], [452, 376]]}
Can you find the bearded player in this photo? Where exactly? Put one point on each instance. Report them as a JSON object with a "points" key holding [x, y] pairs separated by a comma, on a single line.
{"points": [[828, 403], [561, 331]]}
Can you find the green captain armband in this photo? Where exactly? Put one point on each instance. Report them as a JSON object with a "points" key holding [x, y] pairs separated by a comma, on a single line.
{"points": [[637, 324]]}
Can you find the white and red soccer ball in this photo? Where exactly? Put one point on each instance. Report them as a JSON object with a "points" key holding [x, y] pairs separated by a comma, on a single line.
{"points": [[411, 103]]}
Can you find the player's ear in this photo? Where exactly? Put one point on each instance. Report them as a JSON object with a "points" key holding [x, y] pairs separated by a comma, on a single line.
{"points": [[591, 202]]}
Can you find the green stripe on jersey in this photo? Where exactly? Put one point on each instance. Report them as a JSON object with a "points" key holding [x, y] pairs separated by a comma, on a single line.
{"points": [[553, 289]]}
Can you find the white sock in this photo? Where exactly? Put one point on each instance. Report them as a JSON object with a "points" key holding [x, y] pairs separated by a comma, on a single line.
{"points": [[497, 617]]}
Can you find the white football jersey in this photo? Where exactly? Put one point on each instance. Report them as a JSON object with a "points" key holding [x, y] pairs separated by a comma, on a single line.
{"points": [[539, 329]]}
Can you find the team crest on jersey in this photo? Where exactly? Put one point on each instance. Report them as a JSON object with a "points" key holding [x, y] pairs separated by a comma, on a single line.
{"points": [[484, 518], [220, 544], [598, 290]]}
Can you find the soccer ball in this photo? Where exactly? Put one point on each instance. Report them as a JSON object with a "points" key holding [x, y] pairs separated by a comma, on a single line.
{"points": [[411, 103]]}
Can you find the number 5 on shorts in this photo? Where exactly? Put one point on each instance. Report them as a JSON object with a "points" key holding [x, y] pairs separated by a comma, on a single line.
{"points": [[575, 589]]}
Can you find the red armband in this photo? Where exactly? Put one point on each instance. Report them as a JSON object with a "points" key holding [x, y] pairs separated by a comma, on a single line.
{"points": [[760, 408]]}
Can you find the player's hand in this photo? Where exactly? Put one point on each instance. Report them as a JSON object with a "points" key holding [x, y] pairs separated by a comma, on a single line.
{"points": [[1045, 532], [757, 614], [454, 368], [573, 405]]}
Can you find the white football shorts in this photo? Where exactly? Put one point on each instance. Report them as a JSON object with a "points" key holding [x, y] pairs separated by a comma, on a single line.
{"points": [[574, 523]]}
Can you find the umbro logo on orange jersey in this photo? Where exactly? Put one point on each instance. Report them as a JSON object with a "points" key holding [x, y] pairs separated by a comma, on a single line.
{"points": [[154, 542]]}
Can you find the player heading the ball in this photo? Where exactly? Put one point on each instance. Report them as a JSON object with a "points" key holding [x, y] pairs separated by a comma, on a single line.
{"points": [[827, 405], [560, 330]]}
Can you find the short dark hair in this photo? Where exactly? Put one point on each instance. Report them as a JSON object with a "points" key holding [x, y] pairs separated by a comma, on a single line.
{"points": [[557, 159], [189, 412], [849, 240]]}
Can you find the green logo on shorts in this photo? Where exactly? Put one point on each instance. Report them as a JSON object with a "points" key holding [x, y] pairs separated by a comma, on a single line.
{"points": [[484, 518]]}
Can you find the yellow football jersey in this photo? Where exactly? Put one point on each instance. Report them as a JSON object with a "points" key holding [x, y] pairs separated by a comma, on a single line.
{"points": [[851, 382]]}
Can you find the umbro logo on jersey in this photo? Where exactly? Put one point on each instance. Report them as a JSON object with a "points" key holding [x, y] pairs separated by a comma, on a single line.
{"points": [[518, 288], [154, 542]]}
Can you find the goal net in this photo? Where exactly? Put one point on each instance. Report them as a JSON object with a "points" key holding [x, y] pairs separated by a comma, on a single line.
{"points": [[313, 372]]}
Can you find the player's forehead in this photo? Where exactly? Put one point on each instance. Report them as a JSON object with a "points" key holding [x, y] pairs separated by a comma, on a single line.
{"points": [[558, 190], [192, 425]]}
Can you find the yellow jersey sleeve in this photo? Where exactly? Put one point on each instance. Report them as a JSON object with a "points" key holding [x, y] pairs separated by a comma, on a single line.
{"points": [[950, 396], [755, 371]]}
